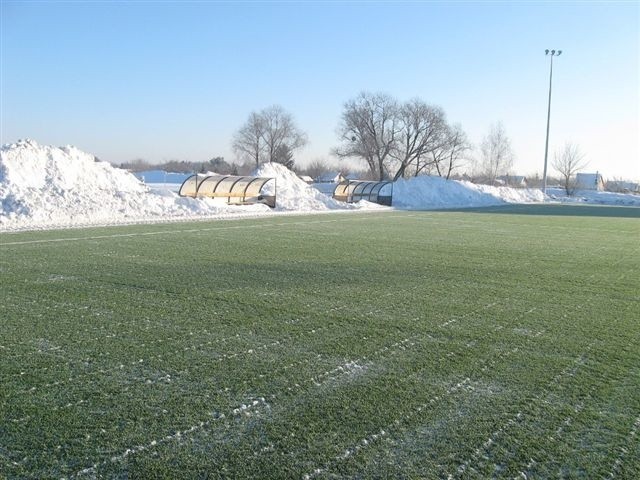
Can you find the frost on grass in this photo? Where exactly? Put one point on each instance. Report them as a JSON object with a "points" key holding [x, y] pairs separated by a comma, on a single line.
{"points": [[348, 370], [243, 410]]}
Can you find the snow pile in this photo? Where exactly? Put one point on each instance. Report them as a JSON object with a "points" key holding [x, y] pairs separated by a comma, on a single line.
{"points": [[295, 194], [434, 192], [44, 186]]}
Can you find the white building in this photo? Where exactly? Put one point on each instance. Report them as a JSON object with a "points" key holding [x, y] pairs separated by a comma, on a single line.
{"points": [[589, 181]]}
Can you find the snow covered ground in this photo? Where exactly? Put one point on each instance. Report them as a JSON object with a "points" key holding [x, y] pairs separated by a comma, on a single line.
{"points": [[45, 187], [592, 197]]}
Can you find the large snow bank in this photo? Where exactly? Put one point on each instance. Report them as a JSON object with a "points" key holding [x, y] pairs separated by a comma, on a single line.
{"points": [[43, 187], [295, 194], [434, 192]]}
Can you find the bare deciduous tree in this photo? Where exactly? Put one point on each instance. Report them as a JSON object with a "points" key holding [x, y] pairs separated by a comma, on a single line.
{"points": [[568, 161], [317, 167], [137, 165], [266, 134], [453, 152], [280, 132], [413, 137], [248, 143], [369, 130], [496, 153], [423, 130]]}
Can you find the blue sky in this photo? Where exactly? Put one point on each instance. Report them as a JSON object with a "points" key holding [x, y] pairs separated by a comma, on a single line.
{"points": [[169, 80]]}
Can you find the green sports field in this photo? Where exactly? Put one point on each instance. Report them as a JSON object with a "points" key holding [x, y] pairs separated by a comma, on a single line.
{"points": [[491, 343]]}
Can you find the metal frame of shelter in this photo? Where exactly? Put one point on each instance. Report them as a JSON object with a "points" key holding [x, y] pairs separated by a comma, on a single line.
{"points": [[237, 190], [355, 190]]}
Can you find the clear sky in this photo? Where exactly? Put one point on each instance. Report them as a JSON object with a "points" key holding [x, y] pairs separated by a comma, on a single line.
{"points": [[174, 80]]}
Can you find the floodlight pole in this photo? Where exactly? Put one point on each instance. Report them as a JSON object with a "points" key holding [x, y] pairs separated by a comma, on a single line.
{"points": [[551, 54]]}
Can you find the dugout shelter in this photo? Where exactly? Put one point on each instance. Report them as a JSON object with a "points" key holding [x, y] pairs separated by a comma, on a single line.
{"points": [[235, 190], [353, 191]]}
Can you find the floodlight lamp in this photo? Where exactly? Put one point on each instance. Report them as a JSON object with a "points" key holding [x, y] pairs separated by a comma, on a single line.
{"points": [[559, 52], [553, 52], [546, 52]]}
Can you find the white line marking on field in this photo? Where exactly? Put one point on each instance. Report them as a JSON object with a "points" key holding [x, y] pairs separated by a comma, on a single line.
{"points": [[194, 230]]}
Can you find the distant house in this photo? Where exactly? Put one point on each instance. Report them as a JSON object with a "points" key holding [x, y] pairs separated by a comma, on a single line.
{"points": [[589, 181], [512, 181], [330, 177]]}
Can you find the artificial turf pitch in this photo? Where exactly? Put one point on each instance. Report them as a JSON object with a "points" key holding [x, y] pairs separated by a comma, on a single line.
{"points": [[473, 344]]}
